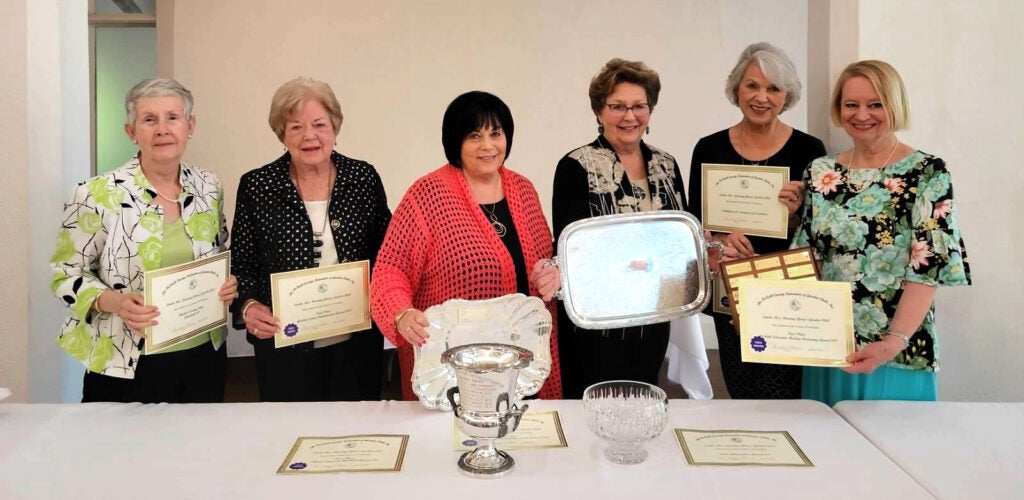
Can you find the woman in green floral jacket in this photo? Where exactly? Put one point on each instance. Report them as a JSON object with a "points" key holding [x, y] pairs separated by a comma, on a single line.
{"points": [[881, 216], [150, 213]]}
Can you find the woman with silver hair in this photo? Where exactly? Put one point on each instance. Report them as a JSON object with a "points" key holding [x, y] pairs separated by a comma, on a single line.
{"points": [[152, 212], [763, 84]]}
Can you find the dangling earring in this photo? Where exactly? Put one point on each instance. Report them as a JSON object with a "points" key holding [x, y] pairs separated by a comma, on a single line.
{"points": [[648, 130], [600, 130]]}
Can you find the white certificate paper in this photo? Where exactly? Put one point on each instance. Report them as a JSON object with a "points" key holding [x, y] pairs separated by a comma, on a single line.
{"points": [[721, 447], [321, 302], [792, 322], [536, 430], [744, 199], [188, 297], [358, 453]]}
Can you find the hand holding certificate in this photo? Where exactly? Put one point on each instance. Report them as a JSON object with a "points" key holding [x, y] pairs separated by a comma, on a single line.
{"points": [[790, 322], [188, 298], [744, 199], [321, 302]]}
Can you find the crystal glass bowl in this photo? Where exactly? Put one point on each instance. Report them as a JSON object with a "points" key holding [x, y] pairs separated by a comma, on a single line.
{"points": [[626, 414]]}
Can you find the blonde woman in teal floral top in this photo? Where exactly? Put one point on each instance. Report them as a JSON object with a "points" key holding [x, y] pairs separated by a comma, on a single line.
{"points": [[152, 212], [882, 217]]}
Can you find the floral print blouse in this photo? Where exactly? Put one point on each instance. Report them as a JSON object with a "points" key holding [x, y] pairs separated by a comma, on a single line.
{"points": [[877, 228], [111, 233]]}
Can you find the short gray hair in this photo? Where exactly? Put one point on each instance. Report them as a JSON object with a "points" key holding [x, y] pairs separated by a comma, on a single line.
{"points": [[775, 65], [156, 87]]}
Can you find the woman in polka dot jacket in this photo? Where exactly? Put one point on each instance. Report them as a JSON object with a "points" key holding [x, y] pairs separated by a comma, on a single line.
{"points": [[310, 207]]}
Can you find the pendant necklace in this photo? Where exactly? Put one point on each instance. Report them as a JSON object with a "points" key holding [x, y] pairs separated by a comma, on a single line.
{"points": [[743, 159], [318, 236], [498, 226]]}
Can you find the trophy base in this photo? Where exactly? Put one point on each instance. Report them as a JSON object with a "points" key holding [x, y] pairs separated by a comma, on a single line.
{"points": [[485, 466]]}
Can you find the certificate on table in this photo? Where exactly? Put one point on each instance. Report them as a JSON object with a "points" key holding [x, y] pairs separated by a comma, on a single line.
{"points": [[536, 430], [721, 447], [788, 322], [357, 453], [321, 302], [188, 297], [744, 199]]}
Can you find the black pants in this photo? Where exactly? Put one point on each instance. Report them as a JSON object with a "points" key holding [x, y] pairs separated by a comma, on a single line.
{"points": [[194, 375], [588, 356], [752, 380], [349, 371]]}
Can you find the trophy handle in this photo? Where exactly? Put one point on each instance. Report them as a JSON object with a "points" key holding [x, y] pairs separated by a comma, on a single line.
{"points": [[452, 393], [513, 416]]}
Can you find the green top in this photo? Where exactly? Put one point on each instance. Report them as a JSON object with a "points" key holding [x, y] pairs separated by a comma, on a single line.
{"points": [[178, 250]]}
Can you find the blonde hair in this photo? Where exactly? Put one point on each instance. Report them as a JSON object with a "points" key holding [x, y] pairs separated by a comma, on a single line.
{"points": [[888, 85], [290, 97]]}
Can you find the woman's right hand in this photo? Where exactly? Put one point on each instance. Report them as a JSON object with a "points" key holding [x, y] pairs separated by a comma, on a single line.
{"points": [[131, 308], [260, 321], [412, 326], [738, 241]]}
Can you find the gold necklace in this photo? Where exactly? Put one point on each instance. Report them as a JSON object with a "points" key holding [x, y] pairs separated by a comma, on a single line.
{"points": [[853, 156]]}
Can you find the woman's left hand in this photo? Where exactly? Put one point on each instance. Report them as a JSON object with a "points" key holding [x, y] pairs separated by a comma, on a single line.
{"points": [[546, 278], [229, 290], [874, 355], [792, 195]]}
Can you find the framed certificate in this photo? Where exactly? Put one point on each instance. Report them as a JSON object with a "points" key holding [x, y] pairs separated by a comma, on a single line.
{"points": [[358, 453], [744, 199], [796, 264], [787, 322], [188, 297], [721, 447], [321, 302]]}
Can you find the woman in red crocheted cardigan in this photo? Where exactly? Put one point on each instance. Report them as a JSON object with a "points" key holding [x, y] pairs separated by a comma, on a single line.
{"points": [[467, 230]]}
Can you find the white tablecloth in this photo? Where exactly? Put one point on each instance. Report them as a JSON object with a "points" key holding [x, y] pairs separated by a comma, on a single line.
{"points": [[688, 358], [234, 450], [955, 450]]}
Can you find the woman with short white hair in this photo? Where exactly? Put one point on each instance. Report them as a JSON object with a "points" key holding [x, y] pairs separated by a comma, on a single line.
{"points": [[763, 85], [153, 212]]}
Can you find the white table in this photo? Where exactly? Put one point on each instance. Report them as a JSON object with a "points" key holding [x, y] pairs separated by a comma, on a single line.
{"points": [[955, 450], [234, 450]]}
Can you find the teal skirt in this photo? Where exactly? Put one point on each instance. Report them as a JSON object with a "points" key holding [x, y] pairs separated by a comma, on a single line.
{"points": [[832, 385]]}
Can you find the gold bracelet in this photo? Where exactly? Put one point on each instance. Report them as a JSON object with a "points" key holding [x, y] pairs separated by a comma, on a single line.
{"points": [[904, 337], [401, 314], [96, 304]]}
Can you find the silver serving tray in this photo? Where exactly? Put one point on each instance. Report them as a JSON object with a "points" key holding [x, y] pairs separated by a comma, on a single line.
{"points": [[633, 269], [512, 319]]}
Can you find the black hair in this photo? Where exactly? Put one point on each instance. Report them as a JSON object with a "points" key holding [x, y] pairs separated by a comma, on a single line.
{"points": [[468, 113]]}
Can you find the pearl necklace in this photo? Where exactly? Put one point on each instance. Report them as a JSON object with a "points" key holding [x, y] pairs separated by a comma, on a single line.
{"points": [[172, 200]]}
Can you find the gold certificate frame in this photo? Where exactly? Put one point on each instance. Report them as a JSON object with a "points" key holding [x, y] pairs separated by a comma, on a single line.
{"points": [[321, 302], [356, 453], [188, 297], [744, 199], [739, 448], [805, 323]]}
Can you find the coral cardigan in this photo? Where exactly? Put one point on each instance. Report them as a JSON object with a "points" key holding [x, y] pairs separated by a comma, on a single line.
{"points": [[441, 246]]}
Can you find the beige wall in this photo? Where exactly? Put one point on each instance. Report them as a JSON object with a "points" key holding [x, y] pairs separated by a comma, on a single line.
{"points": [[963, 70], [14, 329]]}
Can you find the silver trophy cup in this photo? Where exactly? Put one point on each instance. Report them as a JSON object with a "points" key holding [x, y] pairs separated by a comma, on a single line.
{"points": [[482, 402]]}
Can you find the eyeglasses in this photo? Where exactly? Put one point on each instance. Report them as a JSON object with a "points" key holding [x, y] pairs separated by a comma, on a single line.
{"points": [[642, 109]]}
